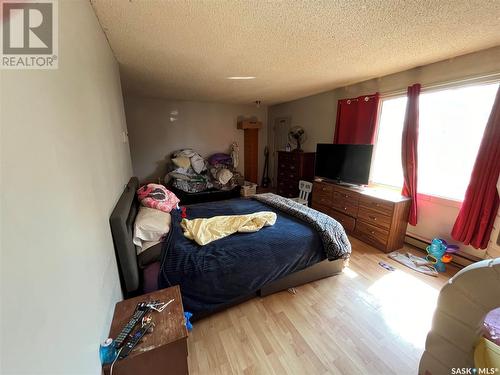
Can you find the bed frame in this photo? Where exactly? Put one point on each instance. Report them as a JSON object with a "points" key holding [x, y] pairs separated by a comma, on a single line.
{"points": [[122, 227]]}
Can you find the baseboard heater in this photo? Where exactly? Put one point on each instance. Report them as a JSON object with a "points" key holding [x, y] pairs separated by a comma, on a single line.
{"points": [[459, 259]]}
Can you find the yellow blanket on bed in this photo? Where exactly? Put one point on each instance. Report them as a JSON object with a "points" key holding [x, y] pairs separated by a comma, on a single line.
{"points": [[204, 231]]}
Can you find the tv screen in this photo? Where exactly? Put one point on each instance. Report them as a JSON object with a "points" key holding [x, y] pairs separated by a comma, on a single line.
{"points": [[347, 163]]}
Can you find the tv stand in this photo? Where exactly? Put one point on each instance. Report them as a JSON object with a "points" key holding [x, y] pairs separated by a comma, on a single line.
{"points": [[378, 218]]}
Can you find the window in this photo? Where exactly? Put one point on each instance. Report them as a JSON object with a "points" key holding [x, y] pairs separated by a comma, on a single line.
{"points": [[451, 126], [386, 166]]}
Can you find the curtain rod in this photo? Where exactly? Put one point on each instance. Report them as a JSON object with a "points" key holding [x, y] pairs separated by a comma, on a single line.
{"points": [[483, 79]]}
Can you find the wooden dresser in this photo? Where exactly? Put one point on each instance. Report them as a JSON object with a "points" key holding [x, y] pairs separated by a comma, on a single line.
{"points": [[293, 167], [375, 217]]}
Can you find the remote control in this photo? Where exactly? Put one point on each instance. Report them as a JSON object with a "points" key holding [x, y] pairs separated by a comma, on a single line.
{"points": [[141, 310], [134, 340]]}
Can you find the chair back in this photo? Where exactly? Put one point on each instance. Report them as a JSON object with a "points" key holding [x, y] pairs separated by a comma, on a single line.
{"points": [[305, 188]]}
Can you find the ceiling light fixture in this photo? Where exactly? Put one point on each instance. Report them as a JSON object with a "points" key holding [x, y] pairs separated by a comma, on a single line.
{"points": [[241, 77]]}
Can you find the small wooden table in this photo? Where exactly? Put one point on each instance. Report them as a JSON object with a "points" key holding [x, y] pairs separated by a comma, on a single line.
{"points": [[164, 351]]}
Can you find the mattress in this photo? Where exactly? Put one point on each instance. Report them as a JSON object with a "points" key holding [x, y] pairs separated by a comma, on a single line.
{"points": [[218, 273]]}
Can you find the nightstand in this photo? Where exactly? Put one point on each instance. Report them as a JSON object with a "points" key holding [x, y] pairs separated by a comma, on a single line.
{"points": [[164, 351]]}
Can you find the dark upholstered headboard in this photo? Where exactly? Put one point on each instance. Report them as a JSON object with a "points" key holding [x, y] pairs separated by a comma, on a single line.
{"points": [[122, 228]]}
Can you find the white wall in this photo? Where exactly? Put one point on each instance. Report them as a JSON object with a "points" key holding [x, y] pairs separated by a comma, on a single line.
{"points": [[206, 127], [317, 114], [64, 165]]}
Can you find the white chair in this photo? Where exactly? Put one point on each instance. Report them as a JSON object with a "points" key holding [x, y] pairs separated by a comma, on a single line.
{"points": [[305, 188]]}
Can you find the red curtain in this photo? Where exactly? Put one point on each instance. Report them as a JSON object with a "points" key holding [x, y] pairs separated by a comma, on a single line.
{"points": [[357, 120], [409, 145], [479, 208]]}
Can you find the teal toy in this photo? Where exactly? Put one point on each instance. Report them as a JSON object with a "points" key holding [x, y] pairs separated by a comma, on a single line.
{"points": [[438, 253]]}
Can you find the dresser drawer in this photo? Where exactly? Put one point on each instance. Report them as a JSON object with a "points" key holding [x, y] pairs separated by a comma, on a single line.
{"points": [[347, 222], [321, 208], [344, 199], [345, 207], [322, 194], [378, 205], [288, 167], [346, 194], [288, 189], [319, 188], [289, 175], [322, 199], [288, 156], [287, 193], [371, 234], [374, 217]]}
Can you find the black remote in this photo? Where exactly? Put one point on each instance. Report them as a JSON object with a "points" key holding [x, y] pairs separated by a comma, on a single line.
{"points": [[141, 310], [134, 340]]}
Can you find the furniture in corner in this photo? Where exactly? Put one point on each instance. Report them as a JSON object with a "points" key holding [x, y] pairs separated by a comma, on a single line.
{"points": [[378, 218], [293, 167], [251, 148], [210, 195], [162, 351]]}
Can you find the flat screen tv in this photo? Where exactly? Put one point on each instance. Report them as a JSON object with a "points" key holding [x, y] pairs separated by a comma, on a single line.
{"points": [[344, 163]]}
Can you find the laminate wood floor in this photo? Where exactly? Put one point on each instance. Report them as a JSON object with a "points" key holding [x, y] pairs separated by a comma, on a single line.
{"points": [[366, 320]]}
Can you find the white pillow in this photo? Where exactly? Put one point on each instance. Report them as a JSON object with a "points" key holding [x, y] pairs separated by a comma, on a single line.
{"points": [[150, 225]]}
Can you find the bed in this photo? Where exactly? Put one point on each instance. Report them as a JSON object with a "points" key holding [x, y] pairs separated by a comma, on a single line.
{"points": [[232, 269]]}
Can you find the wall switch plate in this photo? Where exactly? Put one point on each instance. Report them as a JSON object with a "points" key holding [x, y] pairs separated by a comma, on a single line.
{"points": [[124, 136]]}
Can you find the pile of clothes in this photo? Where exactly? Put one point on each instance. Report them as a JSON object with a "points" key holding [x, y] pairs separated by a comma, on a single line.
{"points": [[191, 173]]}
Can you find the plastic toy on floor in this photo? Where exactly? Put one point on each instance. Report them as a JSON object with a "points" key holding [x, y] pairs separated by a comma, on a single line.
{"points": [[388, 267], [187, 316], [439, 253]]}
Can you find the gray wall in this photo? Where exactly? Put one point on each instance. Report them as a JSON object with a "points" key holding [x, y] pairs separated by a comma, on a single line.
{"points": [[317, 114], [206, 127], [64, 164]]}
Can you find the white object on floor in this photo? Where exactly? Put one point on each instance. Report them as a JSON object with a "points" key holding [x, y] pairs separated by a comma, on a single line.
{"points": [[305, 188], [414, 262]]}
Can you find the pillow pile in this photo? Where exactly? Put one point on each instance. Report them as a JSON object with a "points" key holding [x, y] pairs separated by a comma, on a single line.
{"points": [[188, 158]]}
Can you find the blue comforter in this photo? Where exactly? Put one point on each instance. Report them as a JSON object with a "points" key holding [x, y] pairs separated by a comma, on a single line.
{"points": [[222, 271]]}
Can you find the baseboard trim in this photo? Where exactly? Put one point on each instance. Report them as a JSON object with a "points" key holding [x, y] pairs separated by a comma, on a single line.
{"points": [[459, 259]]}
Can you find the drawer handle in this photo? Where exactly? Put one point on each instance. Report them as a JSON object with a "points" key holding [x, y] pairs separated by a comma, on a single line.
{"points": [[346, 196], [324, 189], [372, 232], [372, 217], [345, 208]]}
